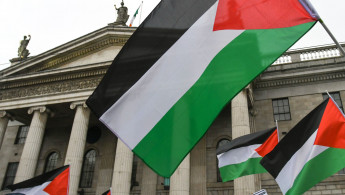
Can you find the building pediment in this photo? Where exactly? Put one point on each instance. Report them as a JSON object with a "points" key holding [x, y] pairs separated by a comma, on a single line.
{"points": [[67, 73], [100, 45]]}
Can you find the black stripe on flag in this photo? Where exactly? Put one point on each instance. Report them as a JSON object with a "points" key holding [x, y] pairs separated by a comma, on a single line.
{"points": [[274, 161], [160, 30], [39, 180], [247, 140]]}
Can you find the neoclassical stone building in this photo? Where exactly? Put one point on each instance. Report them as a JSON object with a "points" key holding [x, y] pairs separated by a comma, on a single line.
{"points": [[44, 122]]}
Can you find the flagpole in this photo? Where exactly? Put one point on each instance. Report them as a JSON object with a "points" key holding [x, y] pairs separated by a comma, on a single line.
{"points": [[341, 110], [141, 11], [312, 11], [331, 35], [277, 130]]}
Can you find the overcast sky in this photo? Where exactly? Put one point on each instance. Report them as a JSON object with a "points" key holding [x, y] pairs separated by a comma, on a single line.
{"points": [[52, 23]]}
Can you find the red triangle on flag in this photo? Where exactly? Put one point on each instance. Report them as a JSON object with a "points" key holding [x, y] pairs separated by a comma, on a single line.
{"points": [[260, 14], [59, 185], [268, 145], [331, 131]]}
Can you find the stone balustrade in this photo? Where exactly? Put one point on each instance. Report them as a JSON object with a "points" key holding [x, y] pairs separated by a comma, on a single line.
{"points": [[308, 54]]}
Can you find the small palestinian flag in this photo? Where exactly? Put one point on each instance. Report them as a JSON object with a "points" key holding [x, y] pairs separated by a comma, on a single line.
{"points": [[242, 155], [183, 64], [55, 182], [107, 192], [313, 150]]}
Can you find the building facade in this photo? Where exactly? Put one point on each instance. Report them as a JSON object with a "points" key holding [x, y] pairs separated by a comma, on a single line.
{"points": [[45, 124]]}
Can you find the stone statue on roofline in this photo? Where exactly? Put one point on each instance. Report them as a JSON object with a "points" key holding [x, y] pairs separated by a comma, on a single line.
{"points": [[23, 53], [122, 15]]}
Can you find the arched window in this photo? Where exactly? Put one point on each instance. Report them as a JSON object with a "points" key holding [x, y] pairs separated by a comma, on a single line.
{"points": [[221, 143], [51, 161], [88, 169]]}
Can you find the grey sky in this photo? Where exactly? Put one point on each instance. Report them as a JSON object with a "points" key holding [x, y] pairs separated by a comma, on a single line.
{"points": [[53, 23]]}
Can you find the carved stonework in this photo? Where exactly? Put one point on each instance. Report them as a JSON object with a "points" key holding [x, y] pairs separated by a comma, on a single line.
{"points": [[298, 81], [3, 114], [253, 112], [23, 53], [22, 83], [75, 104], [250, 96], [51, 88], [41, 109], [122, 16]]}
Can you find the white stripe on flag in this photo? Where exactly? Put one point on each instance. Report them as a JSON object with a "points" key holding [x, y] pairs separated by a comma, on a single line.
{"points": [[293, 167], [167, 81], [36, 190], [238, 155]]}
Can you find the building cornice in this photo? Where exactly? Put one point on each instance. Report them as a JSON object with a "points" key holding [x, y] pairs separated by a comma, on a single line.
{"points": [[299, 81], [52, 88], [58, 75]]}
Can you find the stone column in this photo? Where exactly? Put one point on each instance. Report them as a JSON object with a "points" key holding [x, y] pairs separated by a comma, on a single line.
{"points": [[149, 181], [198, 168], [180, 180], [76, 144], [122, 174], [33, 142], [106, 164], [240, 126], [4, 117]]}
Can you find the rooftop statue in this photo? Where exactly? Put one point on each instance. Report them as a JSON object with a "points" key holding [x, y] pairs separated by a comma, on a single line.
{"points": [[122, 16], [22, 51]]}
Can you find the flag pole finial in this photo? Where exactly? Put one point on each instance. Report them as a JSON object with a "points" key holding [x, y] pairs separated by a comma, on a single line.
{"points": [[310, 8], [328, 94]]}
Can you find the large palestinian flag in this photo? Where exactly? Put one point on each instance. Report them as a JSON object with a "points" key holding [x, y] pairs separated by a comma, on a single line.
{"points": [[312, 151], [55, 182], [184, 63], [242, 155]]}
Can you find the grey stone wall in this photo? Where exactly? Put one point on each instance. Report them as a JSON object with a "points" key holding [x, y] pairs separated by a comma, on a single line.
{"points": [[9, 152]]}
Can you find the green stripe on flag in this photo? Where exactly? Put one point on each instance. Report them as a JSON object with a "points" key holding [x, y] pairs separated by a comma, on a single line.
{"points": [[230, 71], [317, 169], [249, 167]]}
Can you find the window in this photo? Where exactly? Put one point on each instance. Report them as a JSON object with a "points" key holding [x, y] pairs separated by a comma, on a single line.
{"points": [[166, 183], [88, 169], [21, 135], [221, 143], [336, 97], [51, 162], [10, 174], [134, 172], [281, 109]]}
